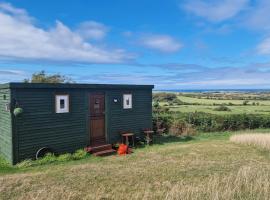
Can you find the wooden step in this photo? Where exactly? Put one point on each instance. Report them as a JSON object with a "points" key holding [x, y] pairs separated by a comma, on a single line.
{"points": [[98, 141], [98, 148], [105, 152]]}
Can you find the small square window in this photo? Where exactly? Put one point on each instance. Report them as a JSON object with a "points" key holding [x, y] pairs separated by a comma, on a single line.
{"points": [[127, 101], [62, 103]]}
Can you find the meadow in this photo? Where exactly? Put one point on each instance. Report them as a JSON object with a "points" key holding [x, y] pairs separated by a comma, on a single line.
{"points": [[212, 109], [238, 103], [206, 166]]}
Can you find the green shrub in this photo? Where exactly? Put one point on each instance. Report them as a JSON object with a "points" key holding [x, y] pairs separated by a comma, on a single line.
{"points": [[51, 158], [162, 120], [210, 122], [245, 103], [79, 154], [48, 158], [64, 157], [164, 96], [159, 109], [222, 108], [179, 127]]}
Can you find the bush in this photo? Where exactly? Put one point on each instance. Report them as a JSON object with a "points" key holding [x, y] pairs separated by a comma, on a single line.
{"points": [[181, 128], [79, 154], [65, 157], [222, 108], [164, 96], [245, 103], [51, 158], [162, 121], [209, 122], [48, 158], [159, 109]]}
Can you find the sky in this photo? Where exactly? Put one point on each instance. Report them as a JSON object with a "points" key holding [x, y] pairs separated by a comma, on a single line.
{"points": [[173, 44]]}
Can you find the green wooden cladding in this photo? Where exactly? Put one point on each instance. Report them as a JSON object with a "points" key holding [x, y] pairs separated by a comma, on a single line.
{"points": [[5, 126], [39, 125]]}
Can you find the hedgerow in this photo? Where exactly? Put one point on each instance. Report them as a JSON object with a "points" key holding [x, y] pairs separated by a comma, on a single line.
{"points": [[210, 122]]}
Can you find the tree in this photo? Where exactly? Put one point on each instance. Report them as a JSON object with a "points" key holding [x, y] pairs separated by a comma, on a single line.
{"points": [[245, 102], [42, 77]]}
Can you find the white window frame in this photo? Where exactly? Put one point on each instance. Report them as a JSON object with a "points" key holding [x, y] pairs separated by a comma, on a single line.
{"points": [[125, 98], [7, 107], [58, 98]]}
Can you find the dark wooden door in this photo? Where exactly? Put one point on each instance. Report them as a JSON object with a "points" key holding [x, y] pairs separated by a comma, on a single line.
{"points": [[97, 118]]}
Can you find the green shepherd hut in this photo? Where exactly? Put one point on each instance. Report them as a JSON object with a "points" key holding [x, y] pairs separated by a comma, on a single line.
{"points": [[65, 117]]}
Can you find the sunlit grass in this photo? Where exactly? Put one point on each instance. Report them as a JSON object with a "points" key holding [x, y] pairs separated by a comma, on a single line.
{"points": [[217, 101], [206, 167], [250, 109], [254, 139]]}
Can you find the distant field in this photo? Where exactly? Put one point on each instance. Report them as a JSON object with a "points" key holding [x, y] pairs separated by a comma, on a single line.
{"points": [[256, 103], [212, 101], [234, 109]]}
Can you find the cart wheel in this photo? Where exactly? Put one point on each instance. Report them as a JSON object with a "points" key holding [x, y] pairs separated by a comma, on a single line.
{"points": [[42, 152]]}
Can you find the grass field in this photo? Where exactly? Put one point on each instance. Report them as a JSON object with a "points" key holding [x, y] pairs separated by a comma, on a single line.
{"points": [[254, 139], [223, 101], [209, 105], [211, 109], [206, 167]]}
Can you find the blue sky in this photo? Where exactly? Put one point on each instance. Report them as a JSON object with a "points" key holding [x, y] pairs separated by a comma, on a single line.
{"points": [[174, 44]]}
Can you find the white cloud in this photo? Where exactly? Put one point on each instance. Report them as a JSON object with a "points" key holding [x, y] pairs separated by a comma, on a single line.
{"points": [[264, 47], [215, 11], [9, 75], [11, 72], [163, 43], [92, 30], [259, 16], [21, 39], [20, 14]]}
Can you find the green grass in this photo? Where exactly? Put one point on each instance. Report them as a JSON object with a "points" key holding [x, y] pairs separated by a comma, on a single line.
{"points": [[208, 106], [212, 101], [211, 109], [6, 167], [208, 166]]}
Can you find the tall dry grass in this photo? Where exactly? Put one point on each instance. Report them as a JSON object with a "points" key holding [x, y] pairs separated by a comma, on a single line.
{"points": [[246, 183], [197, 170], [253, 139]]}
